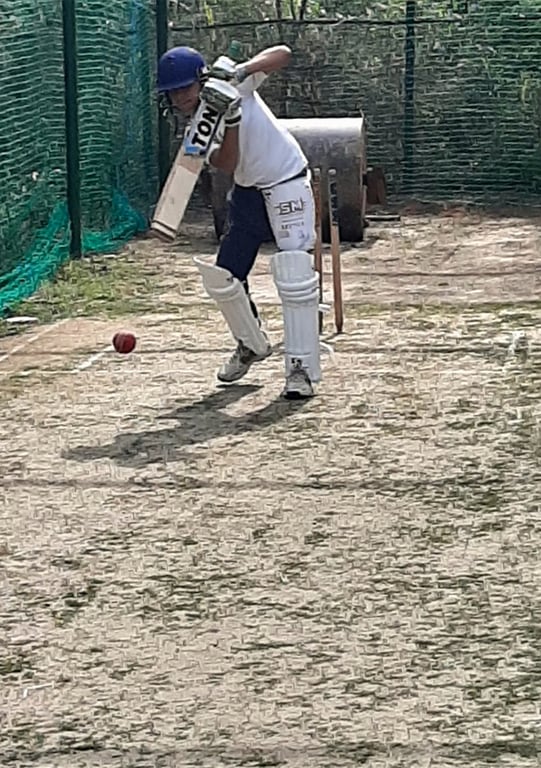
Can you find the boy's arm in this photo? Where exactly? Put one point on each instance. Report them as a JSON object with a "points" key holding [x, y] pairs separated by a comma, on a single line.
{"points": [[226, 156], [267, 61], [252, 73]]}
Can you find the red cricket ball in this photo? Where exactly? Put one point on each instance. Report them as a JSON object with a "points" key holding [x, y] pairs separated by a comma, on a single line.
{"points": [[124, 342]]}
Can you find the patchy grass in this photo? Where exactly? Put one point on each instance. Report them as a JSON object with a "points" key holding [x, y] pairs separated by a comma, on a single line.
{"points": [[90, 287]]}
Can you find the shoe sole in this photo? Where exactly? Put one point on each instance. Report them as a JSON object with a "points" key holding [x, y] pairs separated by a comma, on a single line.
{"points": [[243, 374], [296, 395], [232, 380]]}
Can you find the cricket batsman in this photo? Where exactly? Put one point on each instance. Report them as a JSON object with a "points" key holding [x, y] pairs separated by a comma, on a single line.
{"points": [[271, 199]]}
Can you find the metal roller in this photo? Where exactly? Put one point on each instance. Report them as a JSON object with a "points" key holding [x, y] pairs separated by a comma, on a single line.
{"points": [[328, 142]]}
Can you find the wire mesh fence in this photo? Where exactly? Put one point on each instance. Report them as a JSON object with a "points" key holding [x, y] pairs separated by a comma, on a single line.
{"points": [[451, 91], [117, 133]]}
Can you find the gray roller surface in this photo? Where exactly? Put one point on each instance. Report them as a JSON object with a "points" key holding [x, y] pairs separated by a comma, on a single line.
{"points": [[327, 142]]}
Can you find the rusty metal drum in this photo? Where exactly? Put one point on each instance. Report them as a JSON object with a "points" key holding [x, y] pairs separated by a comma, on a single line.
{"points": [[328, 142]]}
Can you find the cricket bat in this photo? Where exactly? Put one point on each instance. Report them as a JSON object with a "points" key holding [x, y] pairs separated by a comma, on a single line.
{"points": [[205, 129], [318, 245], [335, 251]]}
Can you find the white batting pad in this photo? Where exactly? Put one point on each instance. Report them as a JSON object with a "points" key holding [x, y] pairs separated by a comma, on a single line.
{"points": [[292, 216], [233, 302], [298, 287]]}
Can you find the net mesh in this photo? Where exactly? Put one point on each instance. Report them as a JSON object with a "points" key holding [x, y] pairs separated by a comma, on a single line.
{"points": [[118, 134], [451, 91]]}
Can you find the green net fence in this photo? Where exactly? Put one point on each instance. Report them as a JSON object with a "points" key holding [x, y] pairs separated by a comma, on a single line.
{"points": [[118, 134], [451, 91]]}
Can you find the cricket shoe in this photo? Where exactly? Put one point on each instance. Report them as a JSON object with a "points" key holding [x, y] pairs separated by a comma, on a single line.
{"points": [[240, 363], [298, 385]]}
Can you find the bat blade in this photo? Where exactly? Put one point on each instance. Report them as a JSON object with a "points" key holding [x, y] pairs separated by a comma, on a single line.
{"points": [[335, 251], [176, 195], [188, 164]]}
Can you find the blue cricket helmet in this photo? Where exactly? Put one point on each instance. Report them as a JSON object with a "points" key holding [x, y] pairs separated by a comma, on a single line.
{"points": [[180, 67]]}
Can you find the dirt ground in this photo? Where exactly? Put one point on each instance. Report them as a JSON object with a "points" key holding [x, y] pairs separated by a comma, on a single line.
{"points": [[203, 576]]}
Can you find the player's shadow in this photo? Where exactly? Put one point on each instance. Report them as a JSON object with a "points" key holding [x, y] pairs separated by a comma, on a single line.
{"points": [[195, 424]]}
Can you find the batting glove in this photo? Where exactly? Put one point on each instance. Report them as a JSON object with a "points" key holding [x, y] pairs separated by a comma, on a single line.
{"points": [[219, 95], [224, 68]]}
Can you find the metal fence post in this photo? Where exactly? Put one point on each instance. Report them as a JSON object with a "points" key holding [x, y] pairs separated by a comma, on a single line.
{"points": [[69, 26], [409, 95], [162, 29]]}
